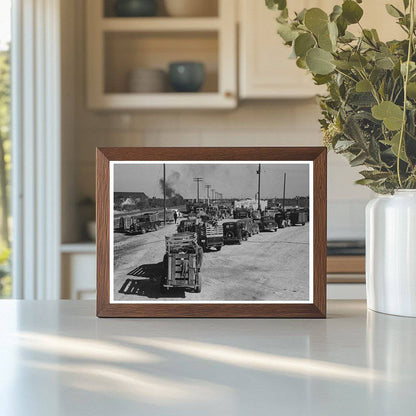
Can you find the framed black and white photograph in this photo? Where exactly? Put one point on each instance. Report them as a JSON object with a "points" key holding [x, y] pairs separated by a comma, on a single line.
{"points": [[211, 232]]}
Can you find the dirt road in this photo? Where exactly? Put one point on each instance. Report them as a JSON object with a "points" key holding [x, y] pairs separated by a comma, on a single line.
{"points": [[269, 266]]}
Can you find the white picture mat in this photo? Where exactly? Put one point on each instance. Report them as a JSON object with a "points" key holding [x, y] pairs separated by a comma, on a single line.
{"points": [[311, 217]]}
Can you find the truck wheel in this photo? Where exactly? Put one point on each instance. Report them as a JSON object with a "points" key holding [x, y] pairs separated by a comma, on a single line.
{"points": [[199, 260], [219, 248], [198, 286], [165, 264], [303, 223], [163, 289], [229, 235]]}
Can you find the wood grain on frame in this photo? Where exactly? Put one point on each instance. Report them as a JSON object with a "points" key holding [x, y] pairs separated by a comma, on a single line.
{"points": [[317, 309]]}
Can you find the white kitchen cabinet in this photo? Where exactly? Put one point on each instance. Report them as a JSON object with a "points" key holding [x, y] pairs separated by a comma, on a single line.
{"points": [[78, 263], [118, 45], [265, 70]]}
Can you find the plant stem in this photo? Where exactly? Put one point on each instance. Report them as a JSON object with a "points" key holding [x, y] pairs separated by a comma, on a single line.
{"points": [[406, 80], [345, 75]]}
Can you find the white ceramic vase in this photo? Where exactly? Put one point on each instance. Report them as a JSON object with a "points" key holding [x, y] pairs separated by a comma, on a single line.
{"points": [[391, 253]]}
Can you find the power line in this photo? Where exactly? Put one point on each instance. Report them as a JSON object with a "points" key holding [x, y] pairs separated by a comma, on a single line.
{"points": [[197, 180], [208, 188]]}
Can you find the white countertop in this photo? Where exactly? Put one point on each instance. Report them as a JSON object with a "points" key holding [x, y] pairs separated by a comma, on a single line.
{"points": [[57, 359]]}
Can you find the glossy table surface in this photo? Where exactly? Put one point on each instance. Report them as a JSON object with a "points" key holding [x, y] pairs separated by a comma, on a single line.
{"points": [[56, 358]]}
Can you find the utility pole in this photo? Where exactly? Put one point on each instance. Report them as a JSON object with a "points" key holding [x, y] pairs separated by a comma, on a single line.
{"points": [[258, 189], [208, 188], [284, 191], [197, 180], [164, 194]]}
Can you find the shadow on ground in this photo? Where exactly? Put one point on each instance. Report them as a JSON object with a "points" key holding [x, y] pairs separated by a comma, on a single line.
{"points": [[148, 284]]}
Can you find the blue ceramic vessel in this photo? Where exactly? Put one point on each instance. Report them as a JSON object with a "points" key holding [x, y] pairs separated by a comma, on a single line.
{"points": [[135, 8], [186, 76]]}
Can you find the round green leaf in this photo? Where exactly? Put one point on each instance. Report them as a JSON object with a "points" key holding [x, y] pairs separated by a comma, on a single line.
{"points": [[276, 4], [319, 61], [303, 43], [363, 86], [286, 32], [391, 114], [411, 90], [324, 42], [385, 63], [316, 20], [336, 12], [301, 63], [351, 11], [327, 40]]}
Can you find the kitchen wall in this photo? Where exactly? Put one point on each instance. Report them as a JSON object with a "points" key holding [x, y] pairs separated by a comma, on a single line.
{"points": [[255, 123]]}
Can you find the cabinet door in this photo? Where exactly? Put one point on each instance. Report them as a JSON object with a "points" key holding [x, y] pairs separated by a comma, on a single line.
{"points": [[265, 68]]}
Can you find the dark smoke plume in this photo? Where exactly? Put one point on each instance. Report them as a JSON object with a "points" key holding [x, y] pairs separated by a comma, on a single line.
{"points": [[171, 180]]}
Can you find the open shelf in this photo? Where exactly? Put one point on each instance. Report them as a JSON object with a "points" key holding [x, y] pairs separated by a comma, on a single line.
{"points": [[116, 46], [211, 9], [194, 101], [160, 24], [127, 51], [80, 247]]}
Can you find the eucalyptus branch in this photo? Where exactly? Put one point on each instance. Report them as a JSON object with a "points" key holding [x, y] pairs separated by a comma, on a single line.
{"points": [[364, 114], [373, 89], [406, 80]]}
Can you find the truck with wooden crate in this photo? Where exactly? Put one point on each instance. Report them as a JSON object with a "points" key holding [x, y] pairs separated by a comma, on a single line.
{"points": [[210, 235], [297, 216], [268, 223], [187, 225], [143, 223], [182, 263]]}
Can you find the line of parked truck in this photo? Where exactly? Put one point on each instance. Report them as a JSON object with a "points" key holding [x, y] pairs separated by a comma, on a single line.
{"points": [[203, 229]]}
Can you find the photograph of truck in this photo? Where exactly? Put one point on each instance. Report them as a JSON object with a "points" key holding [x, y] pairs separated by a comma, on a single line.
{"points": [[217, 231]]}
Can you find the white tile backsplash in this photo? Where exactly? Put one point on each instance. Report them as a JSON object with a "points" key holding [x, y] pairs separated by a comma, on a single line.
{"points": [[259, 123]]}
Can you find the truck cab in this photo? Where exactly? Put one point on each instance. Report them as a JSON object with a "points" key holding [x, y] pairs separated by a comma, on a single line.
{"points": [[144, 223], [268, 223], [246, 227], [233, 232], [210, 235]]}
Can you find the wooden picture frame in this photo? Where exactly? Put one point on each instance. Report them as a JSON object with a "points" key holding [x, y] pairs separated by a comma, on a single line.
{"points": [[317, 159]]}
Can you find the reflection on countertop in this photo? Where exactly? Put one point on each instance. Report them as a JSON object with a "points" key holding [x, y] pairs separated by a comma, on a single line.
{"points": [[346, 248], [355, 362]]}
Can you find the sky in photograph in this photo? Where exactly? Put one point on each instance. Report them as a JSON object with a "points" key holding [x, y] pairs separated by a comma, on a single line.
{"points": [[232, 180], [5, 21]]}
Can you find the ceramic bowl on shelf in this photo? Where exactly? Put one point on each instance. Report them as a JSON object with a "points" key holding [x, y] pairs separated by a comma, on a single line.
{"points": [[186, 76], [147, 80], [191, 8], [135, 8]]}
